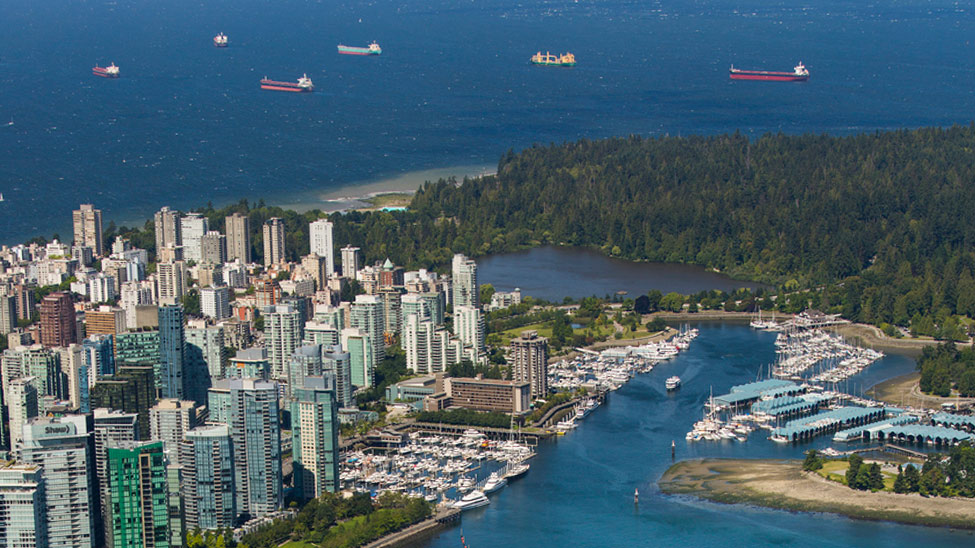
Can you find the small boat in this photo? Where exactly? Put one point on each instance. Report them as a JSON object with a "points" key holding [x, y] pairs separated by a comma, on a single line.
{"points": [[673, 383], [474, 499], [636, 496], [220, 40]]}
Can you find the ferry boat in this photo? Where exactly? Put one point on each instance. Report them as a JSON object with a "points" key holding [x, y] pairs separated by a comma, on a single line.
{"points": [[111, 71], [303, 84], [474, 499], [220, 40], [673, 383], [549, 60], [799, 74], [371, 49]]}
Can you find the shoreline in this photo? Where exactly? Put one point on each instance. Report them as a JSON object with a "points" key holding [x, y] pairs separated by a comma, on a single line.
{"points": [[350, 196], [866, 334], [355, 195], [782, 485]]}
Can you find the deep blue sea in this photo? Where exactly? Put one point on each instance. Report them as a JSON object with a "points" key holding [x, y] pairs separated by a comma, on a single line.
{"points": [[187, 123], [579, 491]]}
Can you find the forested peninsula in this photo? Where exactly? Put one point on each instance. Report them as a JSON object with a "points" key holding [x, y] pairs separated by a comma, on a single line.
{"points": [[879, 227]]}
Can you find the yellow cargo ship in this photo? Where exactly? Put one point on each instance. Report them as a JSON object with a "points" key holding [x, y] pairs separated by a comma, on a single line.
{"points": [[547, 59]]}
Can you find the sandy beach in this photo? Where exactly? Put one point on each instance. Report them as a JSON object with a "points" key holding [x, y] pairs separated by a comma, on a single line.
{"points": [[353, 196], [782, 484]]}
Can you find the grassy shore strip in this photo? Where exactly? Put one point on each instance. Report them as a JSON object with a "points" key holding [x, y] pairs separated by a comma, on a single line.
{"points": [[905, 390], [782, 484], [389, 199]]}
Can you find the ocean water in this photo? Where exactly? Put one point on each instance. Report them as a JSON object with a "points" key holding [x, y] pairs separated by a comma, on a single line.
{"points": [[579, 491], [187, 123]]}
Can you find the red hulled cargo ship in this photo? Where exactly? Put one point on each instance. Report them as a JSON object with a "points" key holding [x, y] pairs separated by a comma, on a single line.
{"points": [[798, 74], [111, 71], [302, 85]]}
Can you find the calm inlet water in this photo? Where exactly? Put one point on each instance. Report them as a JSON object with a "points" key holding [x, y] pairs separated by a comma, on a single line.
{"points": [[579, 491], [553, 273], [187, 122]]}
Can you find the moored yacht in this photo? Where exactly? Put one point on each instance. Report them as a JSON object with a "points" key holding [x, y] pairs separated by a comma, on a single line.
{"points": [[474, 499], [495, 482]]}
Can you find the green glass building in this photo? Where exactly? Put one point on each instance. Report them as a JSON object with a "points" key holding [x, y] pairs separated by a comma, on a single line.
{"points": [[315, 437], [139, 495]]}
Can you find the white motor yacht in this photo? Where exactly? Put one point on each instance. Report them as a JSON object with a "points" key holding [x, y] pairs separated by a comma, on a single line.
{"points": [[495, 482], [474, 499], [673, 383]]}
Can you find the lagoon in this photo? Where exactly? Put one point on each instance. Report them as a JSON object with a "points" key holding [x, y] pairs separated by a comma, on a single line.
{"points": [[553, 273]]}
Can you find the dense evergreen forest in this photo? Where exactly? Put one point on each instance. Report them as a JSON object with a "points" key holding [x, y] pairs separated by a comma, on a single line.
{"points": [[879, 226], [887, 215], [945, 367]]}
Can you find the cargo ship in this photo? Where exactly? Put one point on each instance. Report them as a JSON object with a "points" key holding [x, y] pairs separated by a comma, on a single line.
{"points": [[302, 85], [371, 49], [220, 40], [549, 60], [798, 74], [111, 71]]}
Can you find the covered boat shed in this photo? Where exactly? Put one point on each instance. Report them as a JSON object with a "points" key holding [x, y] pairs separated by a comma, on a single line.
{"points": [[828, 421], [870, 430], [919, 434], [950, 420]]}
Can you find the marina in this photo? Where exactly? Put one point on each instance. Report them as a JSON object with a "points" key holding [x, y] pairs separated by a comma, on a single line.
{"points": [[440, 468], [584, 484], [460, 470]]}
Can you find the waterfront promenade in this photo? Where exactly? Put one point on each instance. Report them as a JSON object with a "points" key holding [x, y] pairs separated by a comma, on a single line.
{"points": [[443, 517]]}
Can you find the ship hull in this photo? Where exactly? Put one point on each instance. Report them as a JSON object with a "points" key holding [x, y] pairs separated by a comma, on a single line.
{"points": [[346, 50], [104, 74], [768, 76], [274, 87], [553, 64]]}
